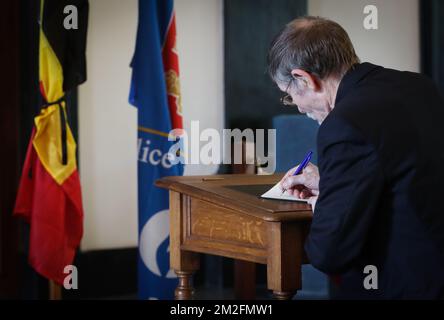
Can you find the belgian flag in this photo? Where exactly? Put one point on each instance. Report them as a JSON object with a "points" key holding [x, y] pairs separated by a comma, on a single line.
{"points": [[49, 195]]}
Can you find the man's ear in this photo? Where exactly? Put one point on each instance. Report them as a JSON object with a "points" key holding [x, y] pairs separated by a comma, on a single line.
{"points": [[308, 79]]}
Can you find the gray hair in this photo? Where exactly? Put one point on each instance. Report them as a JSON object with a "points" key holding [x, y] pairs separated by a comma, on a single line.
{"points": [[316, 45]]}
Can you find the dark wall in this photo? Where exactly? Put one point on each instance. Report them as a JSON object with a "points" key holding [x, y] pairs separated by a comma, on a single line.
{"points": [[250, 25]]}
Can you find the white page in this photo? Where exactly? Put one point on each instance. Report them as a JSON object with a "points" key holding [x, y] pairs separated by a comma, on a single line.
{"points": [[276, 193]]}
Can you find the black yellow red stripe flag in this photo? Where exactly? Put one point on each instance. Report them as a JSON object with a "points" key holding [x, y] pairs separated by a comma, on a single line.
{"points": [[49, 195]]}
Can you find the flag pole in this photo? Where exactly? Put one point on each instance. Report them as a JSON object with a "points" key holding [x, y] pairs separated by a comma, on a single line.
{"points": [[55, 291]]}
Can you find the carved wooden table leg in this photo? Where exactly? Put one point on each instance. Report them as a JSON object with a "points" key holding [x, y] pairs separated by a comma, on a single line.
{"points": [[184, 290], [278, 295], [184, 263], [285, 251]]}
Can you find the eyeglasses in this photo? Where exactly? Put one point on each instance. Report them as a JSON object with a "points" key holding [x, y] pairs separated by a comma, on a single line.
{"points": [[287, 100]]}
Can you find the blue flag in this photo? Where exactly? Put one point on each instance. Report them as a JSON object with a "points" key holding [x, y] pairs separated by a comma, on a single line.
{"points": [[155, 93]]}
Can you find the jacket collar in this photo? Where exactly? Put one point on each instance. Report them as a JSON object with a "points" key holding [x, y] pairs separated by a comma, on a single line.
{"points": [[353, 77]]}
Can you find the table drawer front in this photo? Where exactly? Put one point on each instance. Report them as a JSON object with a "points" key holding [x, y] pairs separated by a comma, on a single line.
{"points": [[207, 220]]}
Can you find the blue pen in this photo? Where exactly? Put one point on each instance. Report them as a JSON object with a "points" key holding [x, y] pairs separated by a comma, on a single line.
{"points": [[302, 166]]}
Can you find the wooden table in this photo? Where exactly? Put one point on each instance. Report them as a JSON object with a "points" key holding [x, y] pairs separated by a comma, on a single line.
{"points": [[223, 215]]}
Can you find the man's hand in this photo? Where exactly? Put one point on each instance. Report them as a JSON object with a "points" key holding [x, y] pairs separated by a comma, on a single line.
{"points": [[304, 185]]}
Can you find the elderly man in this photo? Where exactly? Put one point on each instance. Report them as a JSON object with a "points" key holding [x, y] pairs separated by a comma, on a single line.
{"points": [[377, 194]]}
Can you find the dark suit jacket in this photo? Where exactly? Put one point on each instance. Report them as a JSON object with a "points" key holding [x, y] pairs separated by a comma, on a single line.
{"points": [[381, 203]]}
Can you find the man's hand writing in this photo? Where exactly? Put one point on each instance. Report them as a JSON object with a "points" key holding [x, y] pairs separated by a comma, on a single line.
{"points": [[304, 185]]}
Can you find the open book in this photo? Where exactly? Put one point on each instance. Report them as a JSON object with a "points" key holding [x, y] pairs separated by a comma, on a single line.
{"points": [[276, 193]]}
